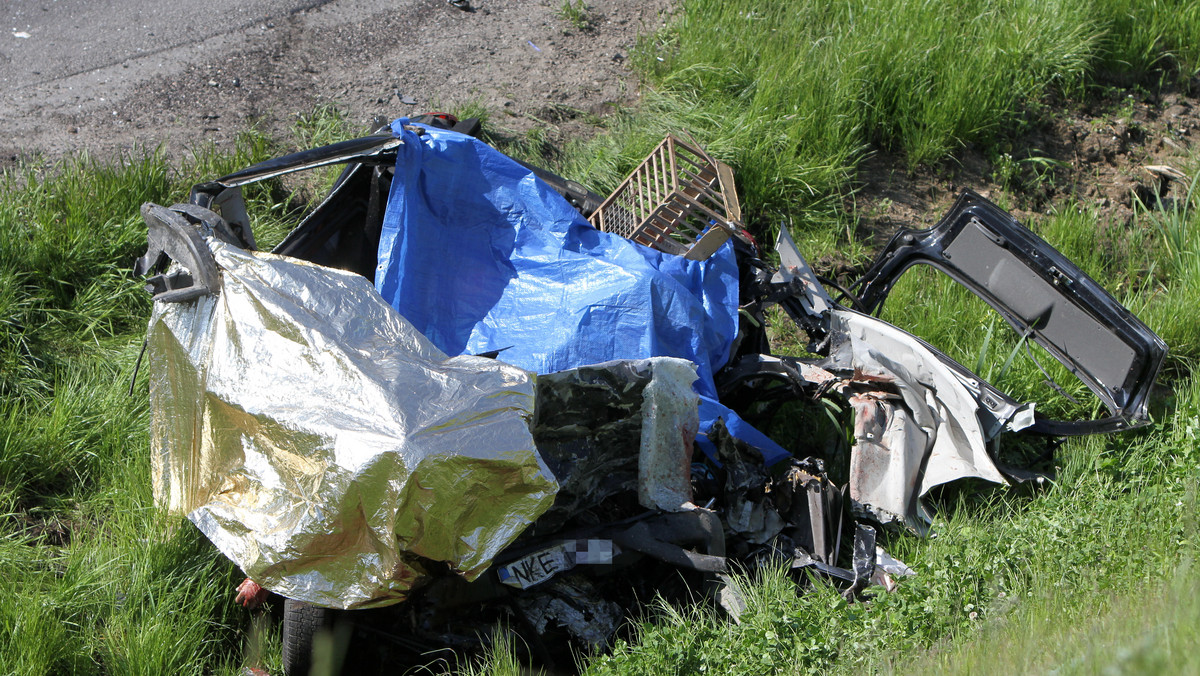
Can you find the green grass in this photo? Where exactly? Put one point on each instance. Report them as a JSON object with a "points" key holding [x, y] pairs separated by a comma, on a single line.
{"points": [[1143, 38], [1107, 592], [794, 95], [97, 580], [577, 13], [1151, 629]]}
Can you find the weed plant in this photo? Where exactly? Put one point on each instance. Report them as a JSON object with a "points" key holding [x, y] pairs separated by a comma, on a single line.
{"points": [[97, 581], [577, 13], [793, 95]]}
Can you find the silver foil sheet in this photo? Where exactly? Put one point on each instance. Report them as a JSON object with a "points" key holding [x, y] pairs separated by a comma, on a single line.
{"points": [[324, 445]]}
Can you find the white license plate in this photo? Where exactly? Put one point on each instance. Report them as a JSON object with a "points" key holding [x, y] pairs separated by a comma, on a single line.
{"points": [[538, 567]]}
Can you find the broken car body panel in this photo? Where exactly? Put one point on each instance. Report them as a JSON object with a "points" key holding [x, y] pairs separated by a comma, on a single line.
{"points": [[923, 419], [917, 425], [1042, 295], [322, 437]]}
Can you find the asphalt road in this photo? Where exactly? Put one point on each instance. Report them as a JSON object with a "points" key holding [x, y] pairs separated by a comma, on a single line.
{"points": [[51, 40], [106, 77]]}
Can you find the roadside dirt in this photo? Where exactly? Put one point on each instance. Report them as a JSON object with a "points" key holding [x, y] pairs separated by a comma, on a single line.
{"points": [[522, 60], [532, 67], [1124, 146]]}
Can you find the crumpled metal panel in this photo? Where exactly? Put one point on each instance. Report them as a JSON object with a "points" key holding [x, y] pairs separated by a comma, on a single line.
{"points": [[917, 424], [324, 445]]}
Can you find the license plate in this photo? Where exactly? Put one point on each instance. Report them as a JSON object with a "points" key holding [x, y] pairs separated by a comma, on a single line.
{"points": [[536, 568]]}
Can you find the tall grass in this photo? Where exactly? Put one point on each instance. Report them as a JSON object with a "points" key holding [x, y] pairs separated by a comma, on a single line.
{"points": [[795, 94], [96, 580], [1143, 37]]}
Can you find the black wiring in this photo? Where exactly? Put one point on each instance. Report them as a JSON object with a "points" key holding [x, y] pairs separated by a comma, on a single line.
{"points": [[855, 301]]}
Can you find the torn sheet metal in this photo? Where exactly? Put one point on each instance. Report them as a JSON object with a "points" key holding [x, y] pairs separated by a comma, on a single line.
{"points": [[917, 425], [887, 569], [812, 505], [863, 559], [749, 513], [327, 447], [572, 602], [793, 269]]}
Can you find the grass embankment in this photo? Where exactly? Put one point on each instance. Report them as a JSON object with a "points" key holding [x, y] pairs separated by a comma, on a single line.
{"points": [[793, 94], [96, 580]]}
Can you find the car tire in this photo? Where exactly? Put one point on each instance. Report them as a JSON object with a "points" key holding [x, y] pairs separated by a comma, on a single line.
{"points": [[301, 622]]}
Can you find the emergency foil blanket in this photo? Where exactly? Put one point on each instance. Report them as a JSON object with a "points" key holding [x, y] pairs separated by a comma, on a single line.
{"points": [[327, 447]]}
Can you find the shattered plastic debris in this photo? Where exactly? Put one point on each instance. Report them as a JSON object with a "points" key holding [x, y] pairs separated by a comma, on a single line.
{"points": [[572, 602], [887, 569], [748, 512]]}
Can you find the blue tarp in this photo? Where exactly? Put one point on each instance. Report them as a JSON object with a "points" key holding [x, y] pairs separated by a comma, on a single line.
{"points": [[479, 254]]}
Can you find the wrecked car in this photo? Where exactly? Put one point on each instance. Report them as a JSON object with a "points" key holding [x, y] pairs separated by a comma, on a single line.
{"points": [[469, 392]]}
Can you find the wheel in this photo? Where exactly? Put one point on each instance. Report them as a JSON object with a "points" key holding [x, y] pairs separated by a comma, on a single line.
{"points": [[301, 621]]}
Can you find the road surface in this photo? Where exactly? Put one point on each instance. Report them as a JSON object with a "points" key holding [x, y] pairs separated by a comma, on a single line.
{"points": [[107, 77]]}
